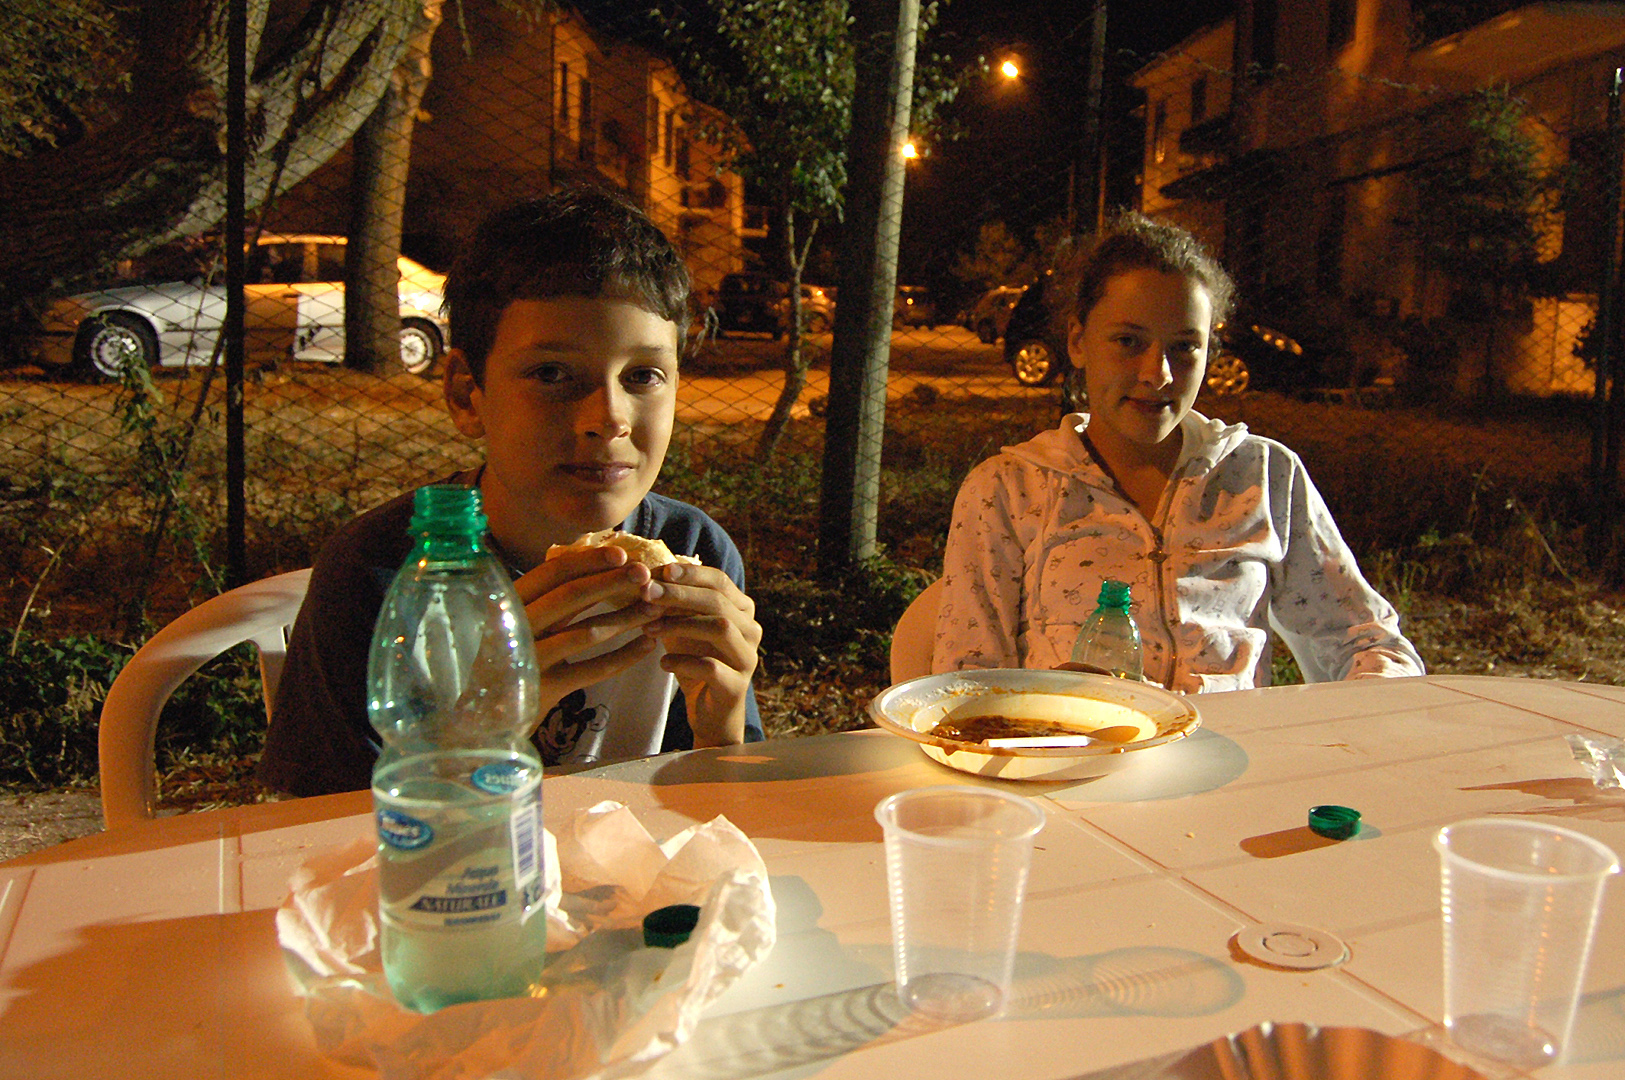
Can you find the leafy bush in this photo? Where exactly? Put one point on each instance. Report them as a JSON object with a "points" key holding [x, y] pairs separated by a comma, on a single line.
{"points": [[51, 695], [808, 624]]}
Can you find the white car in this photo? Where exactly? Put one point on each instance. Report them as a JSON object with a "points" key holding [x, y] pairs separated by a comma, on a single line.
{"points": [[295, 310]]}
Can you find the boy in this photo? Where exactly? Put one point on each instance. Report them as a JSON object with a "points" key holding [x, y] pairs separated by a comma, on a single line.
{"points": [[567, 313]]}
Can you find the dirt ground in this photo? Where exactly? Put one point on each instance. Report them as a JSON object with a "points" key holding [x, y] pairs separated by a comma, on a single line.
{"points": [[31, 822]]}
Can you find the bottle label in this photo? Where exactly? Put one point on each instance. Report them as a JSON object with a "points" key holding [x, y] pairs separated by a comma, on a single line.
{"points": [[491, 871], [502, 778], [403, 831]]}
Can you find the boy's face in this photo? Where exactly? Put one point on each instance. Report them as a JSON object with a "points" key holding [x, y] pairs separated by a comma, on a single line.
{"points": [[576, 412]]}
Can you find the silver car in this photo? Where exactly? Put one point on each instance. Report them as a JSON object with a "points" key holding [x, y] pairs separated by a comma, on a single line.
{"points": [[294, 310]]}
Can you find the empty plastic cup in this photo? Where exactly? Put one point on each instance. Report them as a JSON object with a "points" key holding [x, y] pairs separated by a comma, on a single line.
{"points": [[956, 868], [1520, 903]]}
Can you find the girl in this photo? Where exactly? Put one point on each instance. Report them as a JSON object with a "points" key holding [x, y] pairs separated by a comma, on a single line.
{"points": [[1220, 534]]}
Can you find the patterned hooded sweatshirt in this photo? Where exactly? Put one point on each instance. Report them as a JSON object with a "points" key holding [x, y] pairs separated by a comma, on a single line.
{"points": [[1241, 542]]}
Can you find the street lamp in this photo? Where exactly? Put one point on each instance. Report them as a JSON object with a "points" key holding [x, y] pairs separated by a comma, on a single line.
{"points": [[1010, 69]]}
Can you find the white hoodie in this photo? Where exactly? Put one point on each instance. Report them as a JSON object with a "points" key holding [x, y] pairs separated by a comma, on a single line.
{"points": [[1241, 542]]}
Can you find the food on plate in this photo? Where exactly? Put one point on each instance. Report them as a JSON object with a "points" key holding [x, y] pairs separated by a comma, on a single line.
{"points": [[984, 728], [994, 717], [651, 553]]}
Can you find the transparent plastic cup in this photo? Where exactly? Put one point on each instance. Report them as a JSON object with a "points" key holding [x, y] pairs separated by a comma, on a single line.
{"points": [[1520, 902], [956, 869]]}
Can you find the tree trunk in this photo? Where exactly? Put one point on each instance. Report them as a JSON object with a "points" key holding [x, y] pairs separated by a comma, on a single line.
{"points": [[796, 362], [849, 498], [382, 150], [155, 172]]}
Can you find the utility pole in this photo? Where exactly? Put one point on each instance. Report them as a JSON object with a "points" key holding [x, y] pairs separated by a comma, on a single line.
{"points": [[860, 354], [1089, 196]]}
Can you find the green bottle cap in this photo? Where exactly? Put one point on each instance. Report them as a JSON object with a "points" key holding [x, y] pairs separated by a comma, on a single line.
{"points": [[1334, 822], [669, 927], [1114, 594]]}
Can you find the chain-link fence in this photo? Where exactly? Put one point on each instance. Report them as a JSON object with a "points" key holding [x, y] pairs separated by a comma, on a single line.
{"points": [[1394, 230]]}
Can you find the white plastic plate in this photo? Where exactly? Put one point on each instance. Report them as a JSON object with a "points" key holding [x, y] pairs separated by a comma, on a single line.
{"points": [[1073, 698]]}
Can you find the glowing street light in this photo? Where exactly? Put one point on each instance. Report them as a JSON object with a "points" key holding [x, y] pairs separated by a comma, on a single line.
{"points": [[910, 151], [1010, 70]]}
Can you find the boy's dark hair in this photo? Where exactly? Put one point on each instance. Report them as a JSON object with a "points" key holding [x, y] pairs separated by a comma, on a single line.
{"points": [[578, 241], [1132, 241]]}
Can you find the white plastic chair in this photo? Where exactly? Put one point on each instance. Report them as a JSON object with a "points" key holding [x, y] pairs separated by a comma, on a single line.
{"points": [[260, 612], [915, 635]]}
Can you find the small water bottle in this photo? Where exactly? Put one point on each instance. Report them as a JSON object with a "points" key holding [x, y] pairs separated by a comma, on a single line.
{"points": [[452, 689], [1109, 639]]}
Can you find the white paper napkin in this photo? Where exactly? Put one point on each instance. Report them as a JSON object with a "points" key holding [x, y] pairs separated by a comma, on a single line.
{"points": [[605, 1007]]}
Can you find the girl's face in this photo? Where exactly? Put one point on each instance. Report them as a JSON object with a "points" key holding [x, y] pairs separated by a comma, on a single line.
{"points": [[1143, 353]]}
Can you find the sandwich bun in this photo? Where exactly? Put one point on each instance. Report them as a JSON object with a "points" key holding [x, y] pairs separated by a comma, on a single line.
{"points": [[641, 549]]}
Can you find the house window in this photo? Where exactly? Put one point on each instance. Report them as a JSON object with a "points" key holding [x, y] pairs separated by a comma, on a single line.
{"points": [[682, 163], [1159, 132], [586, 120], [564, 98], [671, 135], [1340, 18], [1199, 100], [1262, 58]]}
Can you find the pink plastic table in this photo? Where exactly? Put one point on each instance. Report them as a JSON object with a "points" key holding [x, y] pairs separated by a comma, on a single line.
{"points": [[151, 951]]}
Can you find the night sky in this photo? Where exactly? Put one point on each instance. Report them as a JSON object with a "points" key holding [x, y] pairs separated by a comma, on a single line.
{"points": [[1012, 162]]}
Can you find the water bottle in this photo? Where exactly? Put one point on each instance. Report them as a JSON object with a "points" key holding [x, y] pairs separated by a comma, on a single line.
{"points": [[452, 689], [1109, 639]]}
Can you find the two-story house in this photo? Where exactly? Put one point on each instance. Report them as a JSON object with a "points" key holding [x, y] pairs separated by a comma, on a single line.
{"points": [[518, 106], [1294, 136]]}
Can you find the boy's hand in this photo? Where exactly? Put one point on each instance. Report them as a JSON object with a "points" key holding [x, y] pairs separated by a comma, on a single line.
{"points": [[558, 590], [711, 635]]}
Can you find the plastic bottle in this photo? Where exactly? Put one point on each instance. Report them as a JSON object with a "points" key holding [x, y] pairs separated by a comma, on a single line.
{"points": [[1109, 639], [453, 692]]}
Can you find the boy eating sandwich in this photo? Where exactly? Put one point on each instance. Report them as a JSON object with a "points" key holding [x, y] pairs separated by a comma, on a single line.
{"points": [[566, 316]]}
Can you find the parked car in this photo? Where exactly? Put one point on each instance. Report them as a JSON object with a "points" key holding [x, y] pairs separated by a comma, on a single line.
{"points": [[914, 307], [752, 303], [1033, 347], [295, 309], [1250, 355], [817, 310], [989, 316]]}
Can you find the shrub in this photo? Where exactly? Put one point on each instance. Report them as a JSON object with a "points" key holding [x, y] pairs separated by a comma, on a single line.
{"points": [[51, 695]]}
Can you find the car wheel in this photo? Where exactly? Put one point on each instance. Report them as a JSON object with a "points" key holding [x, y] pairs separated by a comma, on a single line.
{"points": [[106, 344], [420, 346], [1227, 375], [986, 332], [1034, 363]]}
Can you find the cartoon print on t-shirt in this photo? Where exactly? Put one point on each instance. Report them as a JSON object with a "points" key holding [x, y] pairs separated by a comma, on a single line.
{"points": [[564, 725]]}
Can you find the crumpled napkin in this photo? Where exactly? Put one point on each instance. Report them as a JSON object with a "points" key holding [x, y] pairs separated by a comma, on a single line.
{"points": [[604, 1007], [1603, 758]]}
